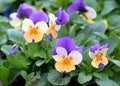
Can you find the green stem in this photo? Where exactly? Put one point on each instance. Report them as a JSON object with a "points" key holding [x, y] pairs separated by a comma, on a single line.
{"points": [[13, 78], [24, 50]]}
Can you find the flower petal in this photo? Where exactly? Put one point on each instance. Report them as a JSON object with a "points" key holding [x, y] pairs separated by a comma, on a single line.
{"points": [[24, 10], [67, 43], [61, 54], [57, 27], [61, 51], [94, 48], [91, 13], [98, 61], [75, 57], [27, 25], [33, 35], [14, 21], [38, 17], [80, 49], [62, 17], [77, 6], [62, 67], [52, 19], [42, 26]]}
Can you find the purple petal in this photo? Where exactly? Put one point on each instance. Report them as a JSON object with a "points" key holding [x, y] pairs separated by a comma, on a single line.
{"points": [[103, 47], [24, 10], [77, 6], [62, 17], [94, 48], [66, 43], [59, 13], [80, 49], [54, 52], [13, 51], [101, 65], [39, 16]]}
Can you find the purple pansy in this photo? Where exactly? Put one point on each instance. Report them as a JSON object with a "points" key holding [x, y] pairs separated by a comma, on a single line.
{"points": [[77, 6], [62, 17], [38, 16], [66, 55], [24, 10], [98, 55], [68, 44]]}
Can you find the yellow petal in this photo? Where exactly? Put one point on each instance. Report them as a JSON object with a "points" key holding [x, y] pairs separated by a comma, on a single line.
{"points": [[65, 65], [33, 35], [99, 60], [51, 31]]}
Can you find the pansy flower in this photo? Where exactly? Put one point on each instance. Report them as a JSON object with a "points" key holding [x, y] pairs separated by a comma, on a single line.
{"points": [[98, 55], [15, 18], [33, 32], [55, 22], [66, 55], [89, 12]]}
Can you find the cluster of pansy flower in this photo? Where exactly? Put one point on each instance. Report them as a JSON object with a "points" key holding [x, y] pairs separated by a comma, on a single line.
{"points": [[34, 24], [66, 53]]}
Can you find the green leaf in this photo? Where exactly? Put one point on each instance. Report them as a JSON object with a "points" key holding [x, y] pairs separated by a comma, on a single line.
{"points": [[113, 22], [116, 62], [56, 78], [39, 62], [3, 39], [33, 48], [83, 78], [6, 49], [15, 35], [105, 81], [98, 75], [13, 73], [4, 73], [30, 76], [109, 6], [19, 64], [98, 27], [112, 42], [24, 75]]}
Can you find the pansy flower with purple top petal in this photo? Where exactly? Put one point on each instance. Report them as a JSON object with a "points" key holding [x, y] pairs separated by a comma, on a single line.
{"points": [[33, 32], [98, 55], [55, 22], [15, 18], [89, 12], [66, 55]]}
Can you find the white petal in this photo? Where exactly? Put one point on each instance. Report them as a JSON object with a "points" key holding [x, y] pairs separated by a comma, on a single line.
{"points": [[61, 51], [104, 51], [92, 55], [27, 24], [76, 57], [57, 27], [42, 26], [57, 57], [91, 14], [15, 22], [52, 19]]}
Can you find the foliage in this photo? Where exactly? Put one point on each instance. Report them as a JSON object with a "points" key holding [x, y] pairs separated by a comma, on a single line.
{"points": [[33, 62]]}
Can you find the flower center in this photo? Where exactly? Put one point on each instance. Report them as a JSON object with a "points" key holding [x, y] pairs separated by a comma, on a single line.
{"points": [[34, 31], [98, 58], [66, 61]]}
